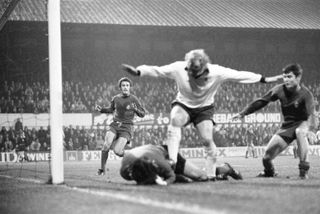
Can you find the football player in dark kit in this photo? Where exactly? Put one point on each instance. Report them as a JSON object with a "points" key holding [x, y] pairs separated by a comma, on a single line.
{"points": [[21, 146], [150, 164], [124, 107], [300, 120]]}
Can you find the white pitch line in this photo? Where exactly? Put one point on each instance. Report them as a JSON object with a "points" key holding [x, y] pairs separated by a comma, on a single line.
{"points": [[23, 179], [176, 206]]}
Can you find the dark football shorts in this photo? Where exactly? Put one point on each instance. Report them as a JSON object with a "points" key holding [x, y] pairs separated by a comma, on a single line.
{"points": [[121, 129], [181, 162], [288, 134], [197, 115]]}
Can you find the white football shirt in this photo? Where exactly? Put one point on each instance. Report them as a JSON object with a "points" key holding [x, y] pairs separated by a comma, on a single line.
{"points": [[200, 92]]}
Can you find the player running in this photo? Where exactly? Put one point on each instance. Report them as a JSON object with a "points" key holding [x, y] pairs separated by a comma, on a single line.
{"points": [[198, 81], [300, 120], [124, 106], [150, 164]]}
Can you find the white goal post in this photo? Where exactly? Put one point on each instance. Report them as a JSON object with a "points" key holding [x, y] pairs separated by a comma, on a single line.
{"points": [[55, 79]]}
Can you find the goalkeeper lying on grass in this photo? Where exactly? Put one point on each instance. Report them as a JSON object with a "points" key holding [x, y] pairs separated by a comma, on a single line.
{"points": [[150, 164]]}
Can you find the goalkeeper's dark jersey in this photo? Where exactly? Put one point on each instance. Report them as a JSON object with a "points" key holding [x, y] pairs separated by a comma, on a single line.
{"points": [[121, 106], [155, 153], [295, 106]]}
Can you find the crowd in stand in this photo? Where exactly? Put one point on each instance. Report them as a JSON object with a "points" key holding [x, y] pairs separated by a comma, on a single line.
{"points": [[18, 97], [19, 138], [83, 89], [156, 96], [76, 138]]}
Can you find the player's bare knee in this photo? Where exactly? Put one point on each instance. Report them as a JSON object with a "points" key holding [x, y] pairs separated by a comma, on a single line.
{"points": [[174, 131], [177, 121], [301, 132], [119, 152], [106, 146]]}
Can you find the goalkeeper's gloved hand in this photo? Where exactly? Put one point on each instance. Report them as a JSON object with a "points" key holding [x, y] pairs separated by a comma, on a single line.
{"points": [[130, 69], [160, 181]]}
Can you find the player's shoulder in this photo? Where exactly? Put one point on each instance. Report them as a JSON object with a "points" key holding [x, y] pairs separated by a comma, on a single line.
{"points": [[215, 69], [306, 91], [179, 63], [117, 96], [177, 66], [305, 88], [133, 97]]}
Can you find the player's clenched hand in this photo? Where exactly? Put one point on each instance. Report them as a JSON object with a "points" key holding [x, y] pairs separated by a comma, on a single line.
{"points": [[98, 108], [130, 69]]}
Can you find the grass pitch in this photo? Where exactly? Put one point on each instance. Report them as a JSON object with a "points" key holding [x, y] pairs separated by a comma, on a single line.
{"points": [[23, 190]]}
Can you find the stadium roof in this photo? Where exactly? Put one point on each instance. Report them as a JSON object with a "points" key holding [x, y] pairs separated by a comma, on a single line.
{"points": [[284, 14]]}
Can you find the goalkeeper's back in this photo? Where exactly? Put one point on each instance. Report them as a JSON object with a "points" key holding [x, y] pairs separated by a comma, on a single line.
{"points": [[155, 155]]}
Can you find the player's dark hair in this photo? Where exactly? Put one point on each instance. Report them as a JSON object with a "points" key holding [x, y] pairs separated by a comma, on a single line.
{"points": [[295, 68], [144, 171], [124, 79]]}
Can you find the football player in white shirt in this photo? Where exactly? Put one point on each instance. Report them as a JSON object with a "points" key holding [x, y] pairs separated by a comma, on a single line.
{"points": [[198, 80]]}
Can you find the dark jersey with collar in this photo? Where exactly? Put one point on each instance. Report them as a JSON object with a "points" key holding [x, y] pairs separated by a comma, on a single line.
{"points": [[121, 106], [296, 106], [155, 153]]}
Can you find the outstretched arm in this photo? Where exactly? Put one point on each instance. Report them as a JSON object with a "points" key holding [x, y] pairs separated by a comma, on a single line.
{"points": [[130, 69], [246, 76], [271, 79], [253, 107], [258, 104], [153, 71]]}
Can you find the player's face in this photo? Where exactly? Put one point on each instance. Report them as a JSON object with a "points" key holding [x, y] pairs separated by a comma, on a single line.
{"points": [[196, 66], [290, 80], [125, 87]]}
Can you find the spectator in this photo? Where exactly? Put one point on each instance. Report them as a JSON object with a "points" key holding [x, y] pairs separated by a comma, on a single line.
{"points": [[8, 145], [44, 147], [35, 145], [18, 126]]}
